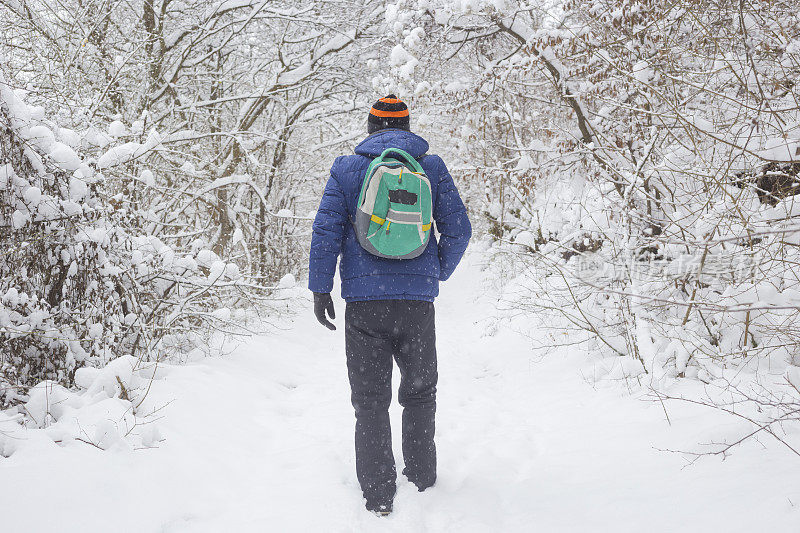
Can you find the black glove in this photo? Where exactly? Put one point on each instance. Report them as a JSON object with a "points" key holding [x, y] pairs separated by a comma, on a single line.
{"points": [[323, 302]]}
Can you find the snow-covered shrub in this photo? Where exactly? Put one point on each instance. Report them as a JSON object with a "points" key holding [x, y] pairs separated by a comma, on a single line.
{"points": [[57, 280], [80, 284]]}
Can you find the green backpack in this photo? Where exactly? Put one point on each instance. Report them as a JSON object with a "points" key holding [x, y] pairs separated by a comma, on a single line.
{"points": [[393, 216]]}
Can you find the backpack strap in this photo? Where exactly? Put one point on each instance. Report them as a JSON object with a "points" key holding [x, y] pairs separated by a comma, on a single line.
{"points": [[413, 163]]}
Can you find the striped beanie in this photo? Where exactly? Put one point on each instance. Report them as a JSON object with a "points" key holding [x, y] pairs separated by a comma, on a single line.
{"points": [[388, 112]]}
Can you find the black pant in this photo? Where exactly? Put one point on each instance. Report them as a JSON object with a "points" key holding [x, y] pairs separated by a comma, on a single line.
{"points": [[376, 332]]}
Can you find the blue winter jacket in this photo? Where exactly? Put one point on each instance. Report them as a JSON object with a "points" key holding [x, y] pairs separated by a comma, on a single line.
{"points": [[368, 277]]}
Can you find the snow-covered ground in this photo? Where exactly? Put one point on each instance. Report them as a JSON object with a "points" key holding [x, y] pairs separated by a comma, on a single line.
{"points": [[261, 440]]}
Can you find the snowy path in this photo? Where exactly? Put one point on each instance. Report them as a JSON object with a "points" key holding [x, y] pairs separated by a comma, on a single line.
{"points": [[261, 440]]}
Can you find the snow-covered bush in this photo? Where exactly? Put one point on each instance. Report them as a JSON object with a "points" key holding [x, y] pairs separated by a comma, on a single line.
{"points": [[80, 284]]}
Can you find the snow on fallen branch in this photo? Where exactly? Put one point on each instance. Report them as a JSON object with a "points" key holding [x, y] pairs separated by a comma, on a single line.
{"points": [[108, 410]]}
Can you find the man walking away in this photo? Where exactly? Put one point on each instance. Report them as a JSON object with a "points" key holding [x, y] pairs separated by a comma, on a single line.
{"points": [[389, 313]]}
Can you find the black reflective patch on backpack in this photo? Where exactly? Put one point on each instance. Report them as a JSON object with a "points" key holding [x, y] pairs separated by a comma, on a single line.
{"points": [[401, 196]]}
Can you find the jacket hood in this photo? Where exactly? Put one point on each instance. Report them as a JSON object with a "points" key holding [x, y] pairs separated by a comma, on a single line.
{"points": [[375, 144]]}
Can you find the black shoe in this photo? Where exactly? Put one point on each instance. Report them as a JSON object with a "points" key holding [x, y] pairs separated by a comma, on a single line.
{"points": [[383, 509]]}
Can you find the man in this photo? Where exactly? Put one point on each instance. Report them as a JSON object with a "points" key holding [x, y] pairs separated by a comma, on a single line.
{"points": [[389, 313]]}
